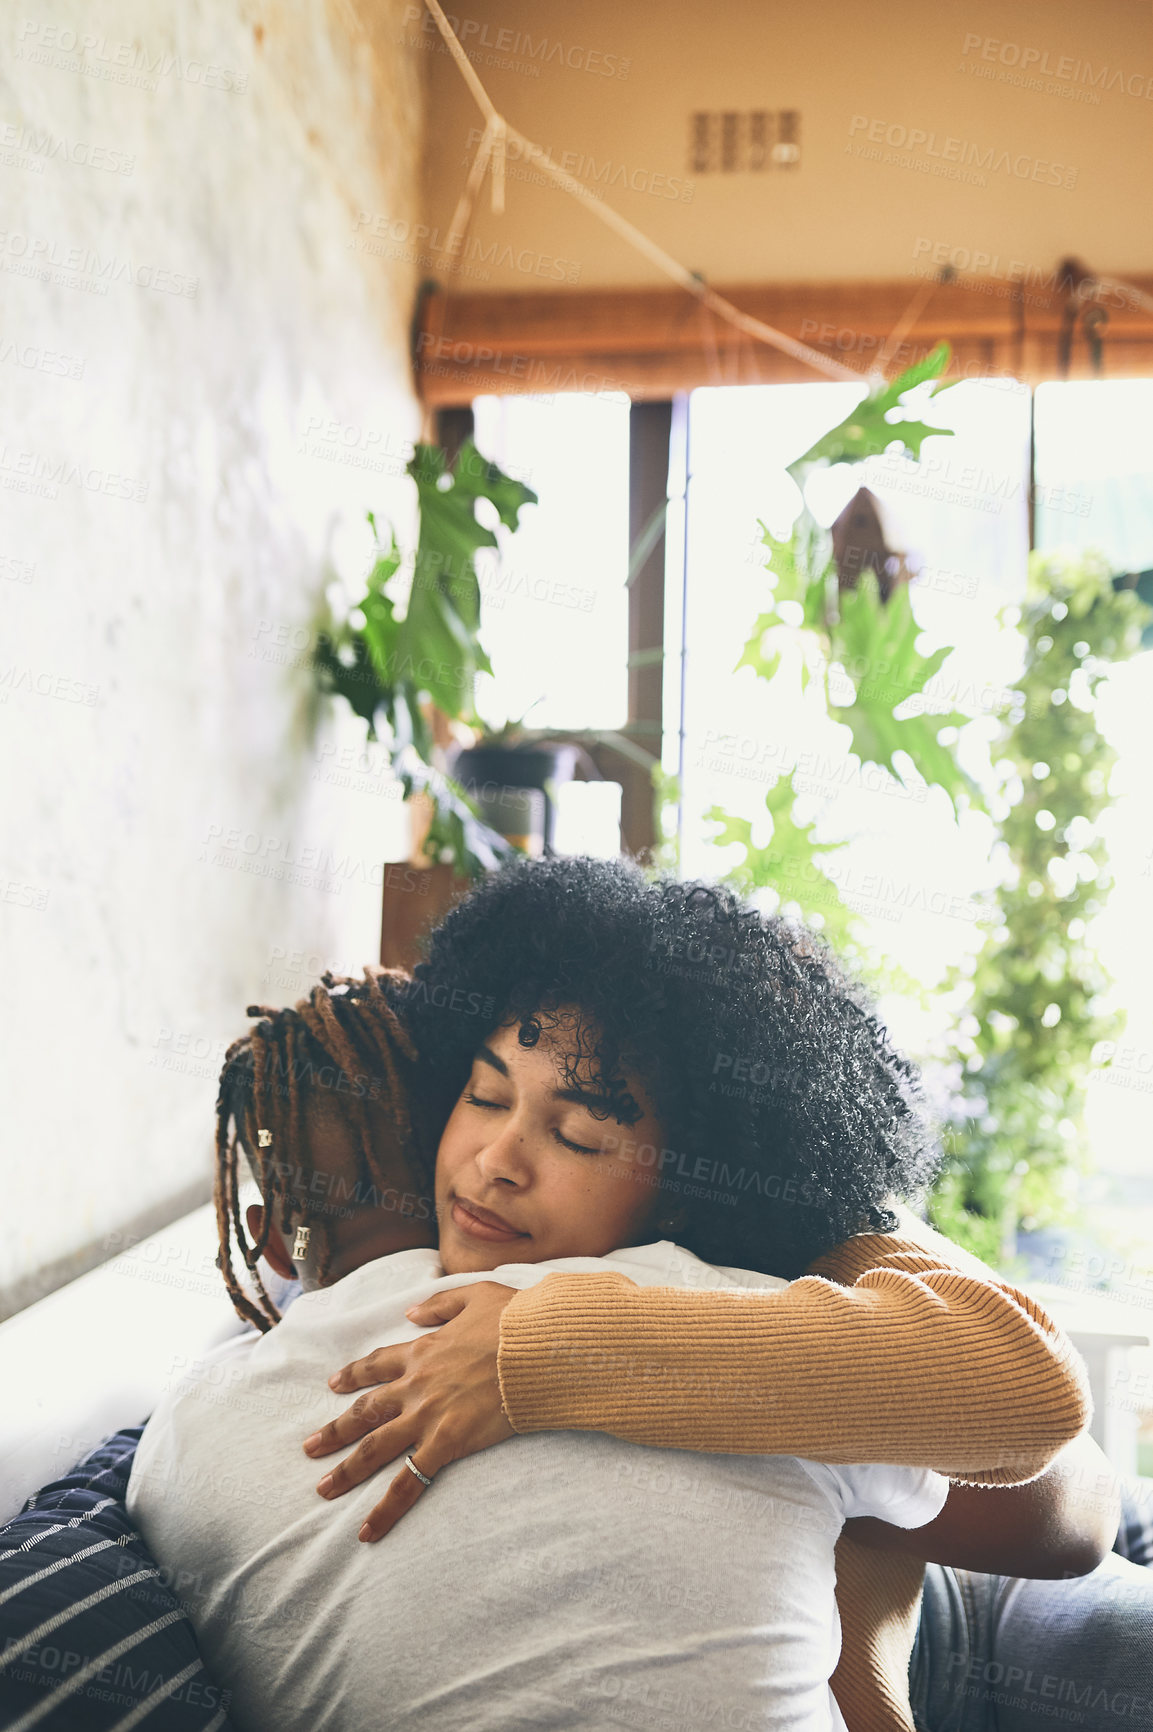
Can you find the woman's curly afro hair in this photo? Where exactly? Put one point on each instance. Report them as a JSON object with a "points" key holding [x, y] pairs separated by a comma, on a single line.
{"points": [[790, 1120]]}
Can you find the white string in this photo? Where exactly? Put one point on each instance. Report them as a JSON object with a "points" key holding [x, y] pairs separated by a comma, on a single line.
{"points": [[492, 145], [462, 216], [905, 323]]}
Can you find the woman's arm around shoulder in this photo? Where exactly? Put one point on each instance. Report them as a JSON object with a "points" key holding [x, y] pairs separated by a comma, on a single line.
{"points": [[896, 1347]]}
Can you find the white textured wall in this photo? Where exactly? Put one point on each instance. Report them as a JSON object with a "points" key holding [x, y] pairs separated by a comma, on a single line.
{"points": [[205, 384]]}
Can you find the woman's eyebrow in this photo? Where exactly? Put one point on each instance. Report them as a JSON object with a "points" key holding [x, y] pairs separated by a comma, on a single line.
{"points": [[600, 1105], [580, 1097], [596, 1103]]}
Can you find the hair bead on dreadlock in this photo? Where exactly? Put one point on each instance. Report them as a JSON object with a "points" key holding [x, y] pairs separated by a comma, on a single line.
{"points": [[267, 1078], [226, 1188]]}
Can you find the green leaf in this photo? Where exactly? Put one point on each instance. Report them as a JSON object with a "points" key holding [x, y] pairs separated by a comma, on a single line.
{"points": [[789, 864], [933, 364], [455, 829], [802, 568], [866, 433], [359, 684], [791, 577], [763, 663], [877, 737], [477, 476], [866, 430], [876, 642], [385, 667], [438, 636], [795, 841], [381, 628]]}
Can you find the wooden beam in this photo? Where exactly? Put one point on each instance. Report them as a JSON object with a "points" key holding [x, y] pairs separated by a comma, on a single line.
{"points": [[651, 343]]}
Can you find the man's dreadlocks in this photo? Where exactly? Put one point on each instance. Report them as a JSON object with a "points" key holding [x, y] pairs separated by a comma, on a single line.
{"points": [[347, 1038]]}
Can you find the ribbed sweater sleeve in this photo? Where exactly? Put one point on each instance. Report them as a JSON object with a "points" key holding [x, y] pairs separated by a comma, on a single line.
{"points": [[904, 1358], [879, 1599]]}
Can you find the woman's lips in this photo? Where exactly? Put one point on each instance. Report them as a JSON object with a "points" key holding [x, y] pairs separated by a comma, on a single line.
{"points": [[481, 1224]]}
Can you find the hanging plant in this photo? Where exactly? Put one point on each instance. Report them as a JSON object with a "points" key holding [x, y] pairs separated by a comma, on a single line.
{"points": [[841, 618]]}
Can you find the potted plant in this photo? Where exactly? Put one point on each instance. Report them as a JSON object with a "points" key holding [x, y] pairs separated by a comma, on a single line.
{"points": [[412, 674]]}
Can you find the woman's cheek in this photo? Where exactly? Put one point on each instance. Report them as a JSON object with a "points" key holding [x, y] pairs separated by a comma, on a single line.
{"points": [[452, 1151]]}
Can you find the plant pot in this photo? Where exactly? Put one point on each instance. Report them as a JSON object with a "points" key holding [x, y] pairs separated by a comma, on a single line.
{"points": [[498, 777]]}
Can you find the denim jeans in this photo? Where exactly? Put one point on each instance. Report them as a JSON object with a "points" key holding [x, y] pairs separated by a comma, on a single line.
{"points": [[997, 1654]]}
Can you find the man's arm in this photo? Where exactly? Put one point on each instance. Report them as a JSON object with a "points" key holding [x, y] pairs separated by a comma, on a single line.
{"points": [[1061, 1524]]}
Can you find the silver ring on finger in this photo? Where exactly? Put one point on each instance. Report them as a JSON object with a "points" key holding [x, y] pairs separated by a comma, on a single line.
{"points": [[412, 1468]]}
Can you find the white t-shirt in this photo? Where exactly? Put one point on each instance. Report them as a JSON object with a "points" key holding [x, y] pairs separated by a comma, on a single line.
{"points": [[562, 1579]]}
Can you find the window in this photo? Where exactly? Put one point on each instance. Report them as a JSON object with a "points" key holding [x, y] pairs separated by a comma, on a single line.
{"points": [[963, 517], [555, 607], [963, 514], [1095, 489]]}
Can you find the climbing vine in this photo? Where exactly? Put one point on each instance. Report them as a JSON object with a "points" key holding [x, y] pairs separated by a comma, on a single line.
{"points": [[1017, 1141]]}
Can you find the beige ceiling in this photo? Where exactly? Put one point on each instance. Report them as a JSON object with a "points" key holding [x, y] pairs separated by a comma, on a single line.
{"points": [[906, 109]]}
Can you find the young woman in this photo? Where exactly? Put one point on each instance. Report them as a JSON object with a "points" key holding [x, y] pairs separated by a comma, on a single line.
{"points": [[777, 1128], [790, 1126]]}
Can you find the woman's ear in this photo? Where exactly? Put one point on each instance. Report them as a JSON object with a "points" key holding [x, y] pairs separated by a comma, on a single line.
{"points": [[275, 1252]]}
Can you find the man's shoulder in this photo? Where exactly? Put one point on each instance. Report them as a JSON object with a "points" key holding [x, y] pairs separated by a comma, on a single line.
{"points": [[912, 1246], [664, 1264]]}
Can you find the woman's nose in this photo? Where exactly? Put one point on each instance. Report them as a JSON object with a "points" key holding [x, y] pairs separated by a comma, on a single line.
{"points": [[505, 1158]]}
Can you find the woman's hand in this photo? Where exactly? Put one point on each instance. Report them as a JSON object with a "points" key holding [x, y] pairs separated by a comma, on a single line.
{"points": [[438, 1400]]}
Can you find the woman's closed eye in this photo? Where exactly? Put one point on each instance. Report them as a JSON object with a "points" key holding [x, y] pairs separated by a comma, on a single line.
{"points": [[475, 1100], [580, 1148]]}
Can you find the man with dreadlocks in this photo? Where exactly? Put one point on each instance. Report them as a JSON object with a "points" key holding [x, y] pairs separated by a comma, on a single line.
{"points": [[319, 1099], [307, 1629]]}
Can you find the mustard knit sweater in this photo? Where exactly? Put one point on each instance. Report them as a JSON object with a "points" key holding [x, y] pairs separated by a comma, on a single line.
{"points": [[901, 1349]]}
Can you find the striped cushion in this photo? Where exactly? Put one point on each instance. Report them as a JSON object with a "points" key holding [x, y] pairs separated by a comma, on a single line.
{"points": [[92, 1636]]}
